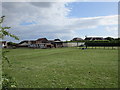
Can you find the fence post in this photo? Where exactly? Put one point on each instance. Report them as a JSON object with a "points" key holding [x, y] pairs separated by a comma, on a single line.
{"points": [[95, 47], [86, 46], [112, 47], [77, 44]]}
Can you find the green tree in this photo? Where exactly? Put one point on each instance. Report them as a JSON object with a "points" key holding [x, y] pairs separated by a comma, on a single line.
{"points": [[109, 38], [7, 81], [4, 32]]}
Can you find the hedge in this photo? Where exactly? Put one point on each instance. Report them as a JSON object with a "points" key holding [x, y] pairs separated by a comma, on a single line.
{"points": [[101, 43]]}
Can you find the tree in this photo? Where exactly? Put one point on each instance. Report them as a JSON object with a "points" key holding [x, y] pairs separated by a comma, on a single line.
{"points": [[6, 79], [4, 32], [109, 38]]}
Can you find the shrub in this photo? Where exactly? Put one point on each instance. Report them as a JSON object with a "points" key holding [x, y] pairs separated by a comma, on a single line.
{"points": [[8, 82]]}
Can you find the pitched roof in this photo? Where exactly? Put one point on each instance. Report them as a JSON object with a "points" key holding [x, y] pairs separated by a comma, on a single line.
{"points": [[26, 41], [77, 39], [41, 39], [57, 40]]}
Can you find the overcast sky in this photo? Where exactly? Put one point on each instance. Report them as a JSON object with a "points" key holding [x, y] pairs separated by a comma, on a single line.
{"points": [[63, 20]]}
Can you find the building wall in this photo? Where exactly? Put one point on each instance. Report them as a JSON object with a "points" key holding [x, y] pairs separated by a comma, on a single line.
{"points": [[3, 45], [64, 44], [37, 45], [41, 45], [73, 44]]}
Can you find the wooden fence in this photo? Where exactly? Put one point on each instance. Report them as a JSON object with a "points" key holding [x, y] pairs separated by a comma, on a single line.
{"points": [[100, 47]]}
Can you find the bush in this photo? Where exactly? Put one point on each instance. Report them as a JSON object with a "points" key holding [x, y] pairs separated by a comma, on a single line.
{"points": [[8, 82]]}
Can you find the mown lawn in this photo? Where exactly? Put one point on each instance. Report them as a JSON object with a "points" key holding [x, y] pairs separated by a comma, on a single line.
{"points": [[63, 67]]}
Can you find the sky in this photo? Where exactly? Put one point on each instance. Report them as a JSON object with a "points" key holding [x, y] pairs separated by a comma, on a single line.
{"points": [[63, 20]]}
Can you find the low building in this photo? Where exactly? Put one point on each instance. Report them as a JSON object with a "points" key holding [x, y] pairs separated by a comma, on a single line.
{"points": [[3, 44], [94, 38], [58, 43], [41, 43], [44, 43], [77, 39], [23, 43], [57, 40]]}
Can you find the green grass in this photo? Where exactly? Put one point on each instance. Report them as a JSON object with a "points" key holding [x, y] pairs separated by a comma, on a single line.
{"points": [[63, 67]]}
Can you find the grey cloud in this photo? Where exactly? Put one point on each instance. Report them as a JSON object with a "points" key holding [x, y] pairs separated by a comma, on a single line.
{"points": [[42, 4], [49, 21], [0, 8]]}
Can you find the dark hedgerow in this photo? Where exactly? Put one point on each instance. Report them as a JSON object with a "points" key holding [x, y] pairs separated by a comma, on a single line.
{"points": [[102, 43]]}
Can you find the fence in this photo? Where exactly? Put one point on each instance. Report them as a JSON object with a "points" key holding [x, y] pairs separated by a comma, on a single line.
{"points": [[102, 45]]}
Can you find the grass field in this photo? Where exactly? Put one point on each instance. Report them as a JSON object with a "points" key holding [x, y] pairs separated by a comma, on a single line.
{"points": [[63, 67]]}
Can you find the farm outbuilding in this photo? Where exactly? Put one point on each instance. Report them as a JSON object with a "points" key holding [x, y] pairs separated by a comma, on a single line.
{"points": [[41, 43], [44, 43], [23, 43]]}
